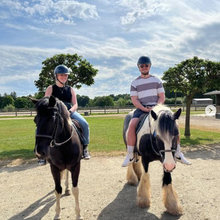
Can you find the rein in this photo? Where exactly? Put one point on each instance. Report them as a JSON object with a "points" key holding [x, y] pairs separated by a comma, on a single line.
{"points": [[53, 142]]}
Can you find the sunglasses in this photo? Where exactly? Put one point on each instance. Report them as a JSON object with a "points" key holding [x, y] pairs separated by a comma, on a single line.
{"points": [[144, 65]]}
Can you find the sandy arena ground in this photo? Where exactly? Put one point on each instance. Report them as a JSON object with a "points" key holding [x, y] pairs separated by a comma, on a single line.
{"points": [[27, 190]]}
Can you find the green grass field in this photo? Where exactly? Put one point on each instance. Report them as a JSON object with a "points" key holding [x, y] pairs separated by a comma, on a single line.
{"points": [[17, 136]]}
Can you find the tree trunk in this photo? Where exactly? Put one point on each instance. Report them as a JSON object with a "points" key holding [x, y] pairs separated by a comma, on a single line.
{"points": [[187, 120]]}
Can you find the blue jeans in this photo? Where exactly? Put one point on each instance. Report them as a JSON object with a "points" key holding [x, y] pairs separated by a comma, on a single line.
{"points": [[84, 125]]}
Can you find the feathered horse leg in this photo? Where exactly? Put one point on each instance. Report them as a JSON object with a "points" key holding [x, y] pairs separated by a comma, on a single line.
{"points": [[134, 172], [143, 191], [170, 198]]}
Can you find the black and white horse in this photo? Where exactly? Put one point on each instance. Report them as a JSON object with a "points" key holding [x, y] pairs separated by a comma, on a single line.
{"points": [[156, 140], [58, 141]]}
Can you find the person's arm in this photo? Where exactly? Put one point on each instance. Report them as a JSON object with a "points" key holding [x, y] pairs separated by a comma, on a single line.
{"points": [[73, 101], [137, 104], [48, 91], [161, 99]]}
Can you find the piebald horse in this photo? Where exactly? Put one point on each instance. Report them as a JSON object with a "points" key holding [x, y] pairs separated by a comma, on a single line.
{"points": [[156, 140], [57, 140]]}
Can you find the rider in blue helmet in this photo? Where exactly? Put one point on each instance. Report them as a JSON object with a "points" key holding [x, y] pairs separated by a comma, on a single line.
{"points": [[146, 91], [66, 94]]}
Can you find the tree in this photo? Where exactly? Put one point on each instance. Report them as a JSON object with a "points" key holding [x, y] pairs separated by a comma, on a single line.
{"points": [[82, 71], [190, 77], [22, 102], [82, 100], [103, 101], [6, 100]]}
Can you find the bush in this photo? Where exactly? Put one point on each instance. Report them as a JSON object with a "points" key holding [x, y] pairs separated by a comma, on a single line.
{"points": [[8, 108], [172, 101]]}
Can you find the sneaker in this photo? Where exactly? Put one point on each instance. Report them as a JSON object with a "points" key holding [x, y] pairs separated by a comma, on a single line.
{"points": [[181, 158], [86, 155], [128, 159], [41, 162]]}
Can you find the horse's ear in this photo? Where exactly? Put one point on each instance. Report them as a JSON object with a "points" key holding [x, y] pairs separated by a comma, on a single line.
{"points": [[34, 100], [153, 114], [177, 114], [52, 101]]}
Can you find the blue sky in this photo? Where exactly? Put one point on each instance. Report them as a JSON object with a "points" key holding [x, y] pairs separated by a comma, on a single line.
{"points": [[111, 35]]}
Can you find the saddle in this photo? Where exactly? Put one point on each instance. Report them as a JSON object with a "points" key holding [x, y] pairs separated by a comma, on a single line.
{"points": [[138, 128], [78, 128], [141, 122]]}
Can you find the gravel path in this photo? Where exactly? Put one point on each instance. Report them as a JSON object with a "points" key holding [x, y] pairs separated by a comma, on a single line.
{"points": [[27, 190]]}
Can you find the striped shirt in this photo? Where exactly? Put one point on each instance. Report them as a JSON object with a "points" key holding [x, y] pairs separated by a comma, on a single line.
{"points": [[147, 89]]}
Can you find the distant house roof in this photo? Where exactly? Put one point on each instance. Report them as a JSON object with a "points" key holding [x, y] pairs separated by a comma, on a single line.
{"points": [[213, 93], [202, 99]]}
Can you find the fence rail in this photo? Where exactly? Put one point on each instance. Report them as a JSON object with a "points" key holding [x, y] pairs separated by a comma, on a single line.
{"points": [[98, 110]]}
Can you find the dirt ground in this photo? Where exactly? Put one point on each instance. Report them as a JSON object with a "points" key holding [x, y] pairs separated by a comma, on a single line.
{"points": [[27, 190]]}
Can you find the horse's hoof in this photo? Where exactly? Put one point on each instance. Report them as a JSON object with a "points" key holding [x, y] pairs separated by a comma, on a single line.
{"points": [[79, 218], [57, 217], [133, 182], [176, 212], [143, 202], [67, 192]]}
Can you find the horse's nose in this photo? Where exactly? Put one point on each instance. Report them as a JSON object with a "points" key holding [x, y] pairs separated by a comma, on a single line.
{"points": [[169, 167]]}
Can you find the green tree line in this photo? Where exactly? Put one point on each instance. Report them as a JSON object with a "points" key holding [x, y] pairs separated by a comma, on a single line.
{"points": [[10, 102]]}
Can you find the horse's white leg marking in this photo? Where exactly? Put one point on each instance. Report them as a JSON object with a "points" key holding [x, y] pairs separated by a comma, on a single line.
{"points": [[67, 190], [57, 209], [143, 192], [75, 191], [131, 176], [170, 200]]}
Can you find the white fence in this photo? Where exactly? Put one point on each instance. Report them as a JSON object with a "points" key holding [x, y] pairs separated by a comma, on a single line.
{"points": [[98, 110]]}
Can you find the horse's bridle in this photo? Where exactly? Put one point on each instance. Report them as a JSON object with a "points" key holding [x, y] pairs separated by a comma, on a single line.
{"points": [[54, 133], [159, 152]]}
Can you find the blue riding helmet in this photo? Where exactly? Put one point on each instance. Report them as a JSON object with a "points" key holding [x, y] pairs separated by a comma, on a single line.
{"points": [[61, 69], [143, 60]]}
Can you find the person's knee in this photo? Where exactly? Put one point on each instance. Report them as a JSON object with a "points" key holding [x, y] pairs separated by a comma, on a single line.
{"points": [[84, 123], [133, 125]]}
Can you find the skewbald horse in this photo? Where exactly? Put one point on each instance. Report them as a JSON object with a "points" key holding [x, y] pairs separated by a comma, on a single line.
{"points": [[156, 140], [58, 141]]}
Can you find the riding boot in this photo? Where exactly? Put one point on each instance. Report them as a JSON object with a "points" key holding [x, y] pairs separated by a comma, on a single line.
{"points": [[180, 156], [86, 155]]}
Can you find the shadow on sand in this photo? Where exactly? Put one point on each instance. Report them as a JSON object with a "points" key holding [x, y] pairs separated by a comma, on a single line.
{"points": [[124, 208], [38, 209]]}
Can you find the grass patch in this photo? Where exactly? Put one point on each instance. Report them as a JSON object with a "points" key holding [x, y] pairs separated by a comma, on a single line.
{"points": [[17, 136]]}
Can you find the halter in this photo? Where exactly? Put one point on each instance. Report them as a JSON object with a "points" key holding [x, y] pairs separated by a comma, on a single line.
{"points": [[152, 146], [53, 142]]}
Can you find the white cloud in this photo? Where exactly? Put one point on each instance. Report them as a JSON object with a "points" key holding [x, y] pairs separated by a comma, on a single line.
{"points": [[167, 31], [60, 11]]}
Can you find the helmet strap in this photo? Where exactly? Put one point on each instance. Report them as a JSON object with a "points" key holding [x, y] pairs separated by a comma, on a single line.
{"points": [[60, 82]]}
